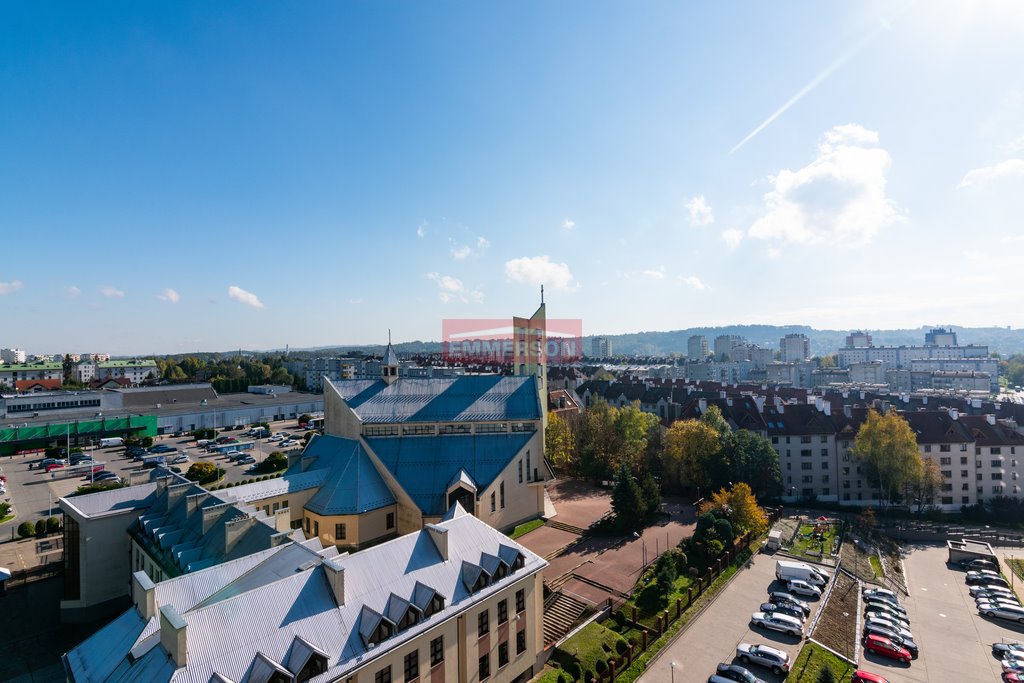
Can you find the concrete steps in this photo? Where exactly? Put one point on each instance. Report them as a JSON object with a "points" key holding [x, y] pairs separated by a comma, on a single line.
{"points": [[561, 615], [555, 524]]}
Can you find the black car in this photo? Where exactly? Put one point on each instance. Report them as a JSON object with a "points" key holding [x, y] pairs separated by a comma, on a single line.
{"points": [[979, 563], [784, 608], [734, 672], [892, 635], [776, 597]]}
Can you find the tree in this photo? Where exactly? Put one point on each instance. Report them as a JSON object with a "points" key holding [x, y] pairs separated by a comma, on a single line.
{"points": [[68, 367], [147, 442], [650, 494], [632, 427], [713, 418], [52, 525], [928, 484], [596, 441], [887, 450], [304, 419], [752, 459], [203, 472], [40, 527], [739, 506], [826, 675], [665, 573], [688, 456], [560, 444], [26, 529], [627, 499]]}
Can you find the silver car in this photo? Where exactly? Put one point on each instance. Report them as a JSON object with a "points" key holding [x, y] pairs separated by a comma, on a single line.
{"points": [[768, 657], [778, 622], [1009, 612]]}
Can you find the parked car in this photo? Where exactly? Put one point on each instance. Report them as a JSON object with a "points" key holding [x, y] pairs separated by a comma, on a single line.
{"points": [[1003, 648], [903, 631], [1009, 612], [178, 459], [781, 596], [892, 635], [778, 622], [860, 676], [803, 588], [984, 605], [55, 466], [988, 581], [246, 460], [881, 594], [735, 672], [763, 655], [783, 608], [1013, 677], [888, 616], [975, 591], [883, 606], [979, 563], [885, 647]]}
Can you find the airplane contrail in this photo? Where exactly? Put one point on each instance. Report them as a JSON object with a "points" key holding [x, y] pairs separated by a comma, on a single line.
{"points": [[817, 80]]}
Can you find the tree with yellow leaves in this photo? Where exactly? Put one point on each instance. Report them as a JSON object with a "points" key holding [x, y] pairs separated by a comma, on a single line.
{"points": [[739, 506]]}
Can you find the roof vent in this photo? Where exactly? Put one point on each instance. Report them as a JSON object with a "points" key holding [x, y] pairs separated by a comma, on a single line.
{"points": [[306, 565]]}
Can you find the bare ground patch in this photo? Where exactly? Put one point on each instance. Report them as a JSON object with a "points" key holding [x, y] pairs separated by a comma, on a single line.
{"points": [[837, 627]]}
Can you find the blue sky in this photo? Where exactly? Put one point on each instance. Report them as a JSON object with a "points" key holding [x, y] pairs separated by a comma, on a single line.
{"points": [[184, 176]]}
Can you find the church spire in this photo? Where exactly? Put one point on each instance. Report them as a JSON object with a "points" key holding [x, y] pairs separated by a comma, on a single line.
{"points": [[389, 365]]}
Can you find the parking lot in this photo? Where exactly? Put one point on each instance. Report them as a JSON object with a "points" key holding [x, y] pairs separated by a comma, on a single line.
{"points": [[713, 636], [955, 641], [34, 492]]}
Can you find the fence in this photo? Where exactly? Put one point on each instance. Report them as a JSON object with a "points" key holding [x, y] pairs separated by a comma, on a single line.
{"points": [[20, 577]]}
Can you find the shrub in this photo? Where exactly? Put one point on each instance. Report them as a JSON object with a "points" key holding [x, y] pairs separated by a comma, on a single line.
{"points": [[5, 509], [826, 676], [41, 527], [575, 670], [601, 666], [26, 529], [588, 675], [147, 442], [53, 525], [621, 646]]}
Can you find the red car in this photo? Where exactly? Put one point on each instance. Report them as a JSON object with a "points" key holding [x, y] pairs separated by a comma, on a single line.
{"points": [[885, 647], [1012, 677], [54, 466], [867, 677]]}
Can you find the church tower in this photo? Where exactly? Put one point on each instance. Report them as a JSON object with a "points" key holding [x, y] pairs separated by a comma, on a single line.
{"points": [[530, 351], [389, 366]]}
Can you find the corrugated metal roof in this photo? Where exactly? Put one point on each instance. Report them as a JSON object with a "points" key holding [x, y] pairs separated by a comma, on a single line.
{"points": [[424, 465], [288, 483], [266, 610], [113, 500], [353, 486], [471, 398]]}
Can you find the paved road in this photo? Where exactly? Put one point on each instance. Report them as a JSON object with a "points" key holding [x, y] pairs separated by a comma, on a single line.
{"points": [[955, 641], [714, 635]]}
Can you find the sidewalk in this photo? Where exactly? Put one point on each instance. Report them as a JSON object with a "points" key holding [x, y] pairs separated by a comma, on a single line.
{"points": [[29, 552]]}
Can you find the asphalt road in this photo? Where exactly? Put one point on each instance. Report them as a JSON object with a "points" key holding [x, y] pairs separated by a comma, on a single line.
{"points": [[714, 635]]}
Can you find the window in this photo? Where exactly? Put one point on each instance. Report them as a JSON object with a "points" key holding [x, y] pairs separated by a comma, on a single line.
{"points": [[944, 448], [997, 463], [963, 459], [383, 676], [390, 521], [995, 450], [846, 471], [806, 438], [412, 665], [824, 479], [964, 474], [484, 667], [979, 476], [483, 622], [339, 532], [502, 654], [493, 508], [927, 448], [997, 476], [947, 474], [824, 452], [966, 500], [775, 440], [520, 471], [965, 487], [418, 430], [520, 642], [316, 528], [807, 479], [501, 489], [307, 525], [524, 427], [947, 487], [437, 651], [492, 428], [527, 465], [789, 465], [455, 429], [372, 430], [521, 600], [503, 611], [806, 465], [824, 464], [947, 500], [997, 489], [945, 460], [823, 438], [805, 452], [963, 447]]}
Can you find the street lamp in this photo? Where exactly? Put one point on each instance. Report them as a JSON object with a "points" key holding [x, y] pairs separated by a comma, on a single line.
{"points": [[672, 666], [643, 545]]}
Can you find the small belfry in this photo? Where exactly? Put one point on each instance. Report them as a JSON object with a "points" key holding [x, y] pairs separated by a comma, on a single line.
{"points": [[389, 366]]}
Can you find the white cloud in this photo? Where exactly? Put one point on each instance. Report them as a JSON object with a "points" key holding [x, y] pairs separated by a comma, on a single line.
{"points": [[980, 176], [482, 243], [111, 292], [1016, 146], [539, 270], [354, 302], [568, 224], [838, 199], [694, 282], [700, 211], [421, 230], [459, 253], [244, 297], [8, 287], [169, 295], [655, 274], [1012, 239], [732, 237], [72, 290], [452, 289]]}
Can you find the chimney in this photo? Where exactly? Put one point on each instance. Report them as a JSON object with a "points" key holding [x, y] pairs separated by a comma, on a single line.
{"points": [[175, 492], [144, 595], [173, 635], [439, 535], [721, 394], [848, 411], [335, 574], [193, 502], [954, 414], [234, 529], [781, 407], [702, 405], [991, 419], [819, 404], [212, 514], [728, 402], [759, 402], [846, 394], [924, 400]]}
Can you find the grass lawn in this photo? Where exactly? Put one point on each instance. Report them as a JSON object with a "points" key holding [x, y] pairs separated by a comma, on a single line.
{"points": [[594, 642], [806, 541], [7, 518], [812, 659], [525, 528], [649, 601], [876, 565]]}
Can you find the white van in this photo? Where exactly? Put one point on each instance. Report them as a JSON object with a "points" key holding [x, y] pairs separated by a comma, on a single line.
{"points": [[801, 571]]}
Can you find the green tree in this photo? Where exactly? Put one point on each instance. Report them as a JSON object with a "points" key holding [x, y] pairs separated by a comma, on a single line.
{"points": [[52, 525], [751, 458], [927, 486], [596, 441], [689, 454], [627, 499], [26, 529], [40, 527], [632, 430], [650, 494], [202, 472], [560, 444], [68, 367], [665, 573], [886, 447], [826, 675]]}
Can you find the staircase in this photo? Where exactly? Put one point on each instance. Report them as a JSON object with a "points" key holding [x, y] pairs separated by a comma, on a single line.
{"points": [[554, 524], [560, 616]]}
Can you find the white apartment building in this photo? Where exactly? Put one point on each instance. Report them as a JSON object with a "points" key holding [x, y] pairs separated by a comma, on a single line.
{"points": [[795, 348], [83, 373], [136, 371], [697, 347], [12, 356]]}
